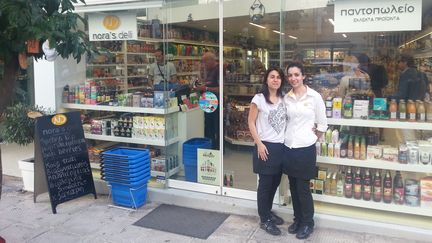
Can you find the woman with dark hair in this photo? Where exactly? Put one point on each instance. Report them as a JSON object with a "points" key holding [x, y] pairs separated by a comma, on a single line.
{"points": [[267, 120], [306, 123]]}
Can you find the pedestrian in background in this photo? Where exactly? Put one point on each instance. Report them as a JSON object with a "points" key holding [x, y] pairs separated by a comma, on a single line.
{"points": [[306, 123], [267, 120]]}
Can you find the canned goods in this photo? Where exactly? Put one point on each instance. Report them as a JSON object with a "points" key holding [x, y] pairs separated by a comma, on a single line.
{"points": [[411, 187]]}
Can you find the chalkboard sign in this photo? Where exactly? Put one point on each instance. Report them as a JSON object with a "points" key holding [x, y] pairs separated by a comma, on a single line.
{"points": [[61, 146]]}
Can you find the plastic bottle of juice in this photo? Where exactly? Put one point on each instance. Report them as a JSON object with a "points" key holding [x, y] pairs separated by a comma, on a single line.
{"points": [[393, 110]]}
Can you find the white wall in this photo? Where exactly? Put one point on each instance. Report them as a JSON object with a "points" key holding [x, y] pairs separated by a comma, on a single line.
{"points": [[11, 153]]}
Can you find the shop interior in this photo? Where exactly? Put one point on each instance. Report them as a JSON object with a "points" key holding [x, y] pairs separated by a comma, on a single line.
{"points": [[252, 42]]}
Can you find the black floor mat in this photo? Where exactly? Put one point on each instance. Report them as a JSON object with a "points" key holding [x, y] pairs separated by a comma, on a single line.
{"points": [[184, 221]]}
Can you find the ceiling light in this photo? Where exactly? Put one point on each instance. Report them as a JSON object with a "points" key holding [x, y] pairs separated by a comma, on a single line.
{"points": [[292, 37], [418, 38], [331, 21], [278, 32], [345, 36], [257, 25]]}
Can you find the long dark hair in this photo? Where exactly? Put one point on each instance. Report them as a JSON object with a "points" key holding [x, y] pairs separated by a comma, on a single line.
{"points": [[297, 65], [265, 90]]}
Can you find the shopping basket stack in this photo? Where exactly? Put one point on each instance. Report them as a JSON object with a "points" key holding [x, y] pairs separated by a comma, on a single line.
{"points": [[127, 171], [190, 148]]}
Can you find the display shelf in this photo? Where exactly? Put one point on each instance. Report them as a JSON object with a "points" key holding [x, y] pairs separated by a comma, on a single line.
{"points": [[237, 94], [380, 123], [121, 108], [138, 76], [242, 83], [165, 174], [187, 73], [376, 164], [131, 140], [137, 64], [187, 57], [374, 205], [103, 78], [137, 87], [105, 65], [238, 142]]}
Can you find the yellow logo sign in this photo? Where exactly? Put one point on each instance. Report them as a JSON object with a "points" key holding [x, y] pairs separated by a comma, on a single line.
{"points": [[59, 119], [111, 22]]}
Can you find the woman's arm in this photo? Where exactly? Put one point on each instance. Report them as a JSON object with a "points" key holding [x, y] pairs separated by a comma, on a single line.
{"points": [[252, 117], [320, 117]]}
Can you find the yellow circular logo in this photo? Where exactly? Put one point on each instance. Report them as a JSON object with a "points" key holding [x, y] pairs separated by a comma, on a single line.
{"points": [[111, 22], [59, 119]]}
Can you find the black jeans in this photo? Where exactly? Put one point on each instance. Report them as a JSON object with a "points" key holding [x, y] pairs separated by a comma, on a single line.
{"points": [[211, 127], [302, 201], [267, 187]]}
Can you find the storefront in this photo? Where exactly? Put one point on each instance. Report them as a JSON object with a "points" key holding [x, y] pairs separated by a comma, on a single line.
{"points": [[119, 96]]}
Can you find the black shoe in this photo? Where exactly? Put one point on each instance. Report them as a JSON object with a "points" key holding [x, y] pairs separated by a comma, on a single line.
{"points": [[294, 227], [304, 232], [276, 219], [270, 227]]}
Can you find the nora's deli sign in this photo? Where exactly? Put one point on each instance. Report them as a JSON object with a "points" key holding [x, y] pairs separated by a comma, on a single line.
{"points": [[372, 15], [112, 26]]}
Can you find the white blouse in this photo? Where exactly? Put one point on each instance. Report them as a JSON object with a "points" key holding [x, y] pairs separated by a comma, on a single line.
{"points": [[303, 115]]}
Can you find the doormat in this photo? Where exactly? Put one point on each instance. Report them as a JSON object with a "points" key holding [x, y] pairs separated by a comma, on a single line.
{"points": [[184, 221]]}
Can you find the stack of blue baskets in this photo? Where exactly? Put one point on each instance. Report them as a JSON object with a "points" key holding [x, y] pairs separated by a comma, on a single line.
{"points": [[190, 148], [127, 170]]}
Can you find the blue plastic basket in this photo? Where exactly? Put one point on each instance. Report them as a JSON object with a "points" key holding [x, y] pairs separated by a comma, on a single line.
{"points": [[125, 169], [190, 173], [124, 179], [127, 196], [107, 170], [124, 153], [125, 164]]}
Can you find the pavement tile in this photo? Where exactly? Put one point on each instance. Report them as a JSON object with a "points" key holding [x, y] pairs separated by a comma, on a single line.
{"points": [[52, 236], [20, 233], [238, 225], [373, 238], [325, 235]]}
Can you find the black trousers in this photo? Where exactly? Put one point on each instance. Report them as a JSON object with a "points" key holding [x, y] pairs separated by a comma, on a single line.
{"points": [[211, 127], [267, 186], [302, 200]]}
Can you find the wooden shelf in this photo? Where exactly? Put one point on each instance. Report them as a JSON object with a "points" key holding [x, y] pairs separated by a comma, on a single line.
{"points": [[238, 142], [121, 108]]}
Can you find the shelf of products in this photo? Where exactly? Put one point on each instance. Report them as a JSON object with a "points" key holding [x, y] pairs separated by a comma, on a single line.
{"points": [[380, 123], [238, 142], [131, 140], [121, 108]]}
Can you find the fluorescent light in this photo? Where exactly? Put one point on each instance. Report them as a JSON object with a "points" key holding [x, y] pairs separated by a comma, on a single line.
{"points": [[345, 36], [257, 25], [331, 21], [292, 37], [278, 32]]}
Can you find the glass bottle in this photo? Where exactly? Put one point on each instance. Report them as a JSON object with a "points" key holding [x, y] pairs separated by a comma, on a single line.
{"points": [[350, 152], [348, 183], [399, 190], [387, 188], [357, 184], [327, 185], [340, 185], [377, 187], [393, 110], [333, 185], [428, 106], [411, 109], [402, 110], [367, 188], [363, 148], [356, 148], [421, 112]]}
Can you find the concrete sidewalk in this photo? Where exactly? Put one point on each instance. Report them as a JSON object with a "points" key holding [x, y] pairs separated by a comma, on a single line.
{"points": [[89, 220]]}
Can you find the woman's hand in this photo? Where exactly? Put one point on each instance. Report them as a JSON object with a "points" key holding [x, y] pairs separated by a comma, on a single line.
{"points": [[262, 152]]}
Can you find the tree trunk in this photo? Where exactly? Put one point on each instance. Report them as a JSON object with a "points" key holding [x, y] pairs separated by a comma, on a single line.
{"points": [[6, 95]]}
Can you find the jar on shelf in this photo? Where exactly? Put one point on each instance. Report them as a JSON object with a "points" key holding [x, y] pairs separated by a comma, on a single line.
{"points": [[411, 109]]}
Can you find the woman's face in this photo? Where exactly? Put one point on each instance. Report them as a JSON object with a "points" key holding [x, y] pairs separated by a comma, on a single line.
{"points": [[295, 77], [274, 80]]}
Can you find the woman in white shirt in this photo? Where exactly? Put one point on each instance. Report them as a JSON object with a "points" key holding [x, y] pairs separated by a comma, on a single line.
{"points": [[306, 123], [267, 120]]}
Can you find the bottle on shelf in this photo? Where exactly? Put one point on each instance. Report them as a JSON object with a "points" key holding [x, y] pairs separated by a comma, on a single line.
{"points": [[421, 112], [327, 184], [344, 147], [348, 183], [356, 148], [393, 110], [347, 107], [411, 109], [387, 187], [340, 184], [328, 135], [377, 187], [399, 189], [358, 184], [337, 150], [330, 149], [402, 110], [333, 184], [350, 151], [363, 148], [367, 185], [428, 106]]}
